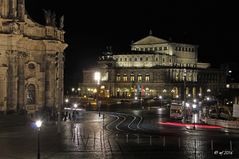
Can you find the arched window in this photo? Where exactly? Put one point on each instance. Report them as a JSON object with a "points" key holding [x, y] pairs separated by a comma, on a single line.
{"points": [[31, 94]]}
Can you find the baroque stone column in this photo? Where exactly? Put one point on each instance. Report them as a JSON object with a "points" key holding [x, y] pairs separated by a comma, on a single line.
{"points": [[21, 9], [3, 89], [12, 8], [21, 82], [50, 80], [60, 79], [12, 84]]}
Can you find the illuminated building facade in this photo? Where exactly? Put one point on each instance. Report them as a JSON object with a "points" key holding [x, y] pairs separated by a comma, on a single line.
{"points": [[153, 67], [31, 60]]}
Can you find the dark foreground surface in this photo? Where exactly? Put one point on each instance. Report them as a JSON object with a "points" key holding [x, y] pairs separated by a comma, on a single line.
{"points": [[119, 135]]}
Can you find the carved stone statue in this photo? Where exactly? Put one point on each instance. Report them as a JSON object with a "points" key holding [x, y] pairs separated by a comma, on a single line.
{"points": [[47, 14], [61, 22], [53, 19], [50, 18]]}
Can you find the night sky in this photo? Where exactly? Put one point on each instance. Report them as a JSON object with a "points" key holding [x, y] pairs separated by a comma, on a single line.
{"points": [[91, 26]]}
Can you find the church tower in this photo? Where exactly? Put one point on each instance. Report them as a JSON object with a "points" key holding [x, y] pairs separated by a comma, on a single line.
{"points": [[31, 60]]}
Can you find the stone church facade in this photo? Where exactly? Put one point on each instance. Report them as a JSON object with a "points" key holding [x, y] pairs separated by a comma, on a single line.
{"points": [[154, 67], [31, 60]]}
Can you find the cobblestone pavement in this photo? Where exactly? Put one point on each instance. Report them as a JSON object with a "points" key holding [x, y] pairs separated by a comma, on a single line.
{"points": [[86, 138]]}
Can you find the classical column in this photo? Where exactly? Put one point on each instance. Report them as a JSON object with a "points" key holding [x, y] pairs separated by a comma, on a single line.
{"points": [[12, 84], [59, 88], [12, 8], [3, 89], [61, 78], [4, 8], [1, 8], [50, 80], [21, 82], [21, 9]]}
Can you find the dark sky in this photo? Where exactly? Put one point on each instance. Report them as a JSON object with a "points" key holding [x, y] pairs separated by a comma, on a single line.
{"points": [[92, 25]]}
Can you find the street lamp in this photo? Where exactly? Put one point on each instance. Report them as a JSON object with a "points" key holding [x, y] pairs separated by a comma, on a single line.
{"points": [[160, 97], [184, 92], [38, 123], [78, 91], [194, 118], [74, 111], [66, 101], [97, 77]]}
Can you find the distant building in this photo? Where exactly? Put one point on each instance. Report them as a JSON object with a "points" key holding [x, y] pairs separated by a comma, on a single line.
{"points": [[154, 67], [31, 60], [231, 93]]}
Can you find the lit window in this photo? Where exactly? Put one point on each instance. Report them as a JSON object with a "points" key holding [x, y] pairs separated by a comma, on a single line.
{"points": [[147, 77], [139, 78], [125, 78], [118, 77], [132, 77], [177, 77]]}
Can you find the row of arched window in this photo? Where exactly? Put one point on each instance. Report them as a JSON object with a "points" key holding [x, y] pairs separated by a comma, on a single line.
{"points": [[133, 78], [188, 49], [152, 48]]}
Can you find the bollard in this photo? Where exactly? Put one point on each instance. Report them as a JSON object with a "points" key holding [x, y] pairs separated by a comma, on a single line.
{"points": [[195, 152], [212, 145], [230, 145], [164, 141], [150, 140], [101, 144], [179, 144], [127, 138]]}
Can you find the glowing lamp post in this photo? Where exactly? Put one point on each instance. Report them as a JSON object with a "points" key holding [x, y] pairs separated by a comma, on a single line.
{"points": [[74, 111], [184, 94], [195, 115], [75, 106], [160, 97], [97, 77], [38, 125]]}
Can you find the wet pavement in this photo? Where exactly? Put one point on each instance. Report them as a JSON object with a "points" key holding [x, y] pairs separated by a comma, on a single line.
{"points": [[128, 134]]}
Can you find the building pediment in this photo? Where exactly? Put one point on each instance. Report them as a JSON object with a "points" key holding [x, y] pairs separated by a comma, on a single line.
{"points": [[150, 40]]}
